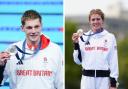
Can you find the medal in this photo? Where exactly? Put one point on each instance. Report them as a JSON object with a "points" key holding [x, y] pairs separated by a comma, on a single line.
{"points": [[12, 50]]}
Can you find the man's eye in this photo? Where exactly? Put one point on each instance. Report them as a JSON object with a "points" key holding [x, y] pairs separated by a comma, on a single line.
{"points": [[37, 26], [29, 27]]}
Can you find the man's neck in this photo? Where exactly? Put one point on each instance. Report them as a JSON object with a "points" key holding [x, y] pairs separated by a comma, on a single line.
{"points": [[33, 42]]}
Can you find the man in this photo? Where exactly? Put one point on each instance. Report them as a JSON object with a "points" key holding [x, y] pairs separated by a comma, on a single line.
{"points": [[37, 64], [96, 51]]}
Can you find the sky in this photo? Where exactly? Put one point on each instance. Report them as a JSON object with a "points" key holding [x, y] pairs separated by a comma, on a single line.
{"points": [[82, 7]]}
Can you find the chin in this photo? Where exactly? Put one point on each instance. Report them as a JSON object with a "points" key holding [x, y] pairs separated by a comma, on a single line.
{"points": [[97, 28], [34, 39]]}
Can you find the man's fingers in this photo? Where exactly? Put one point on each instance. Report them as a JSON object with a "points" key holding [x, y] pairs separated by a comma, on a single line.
{"points": [[5, 54]]}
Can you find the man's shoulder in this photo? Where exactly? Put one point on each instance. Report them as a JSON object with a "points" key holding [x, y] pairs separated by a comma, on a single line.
{"points": [[53, 44], [18, 42]]}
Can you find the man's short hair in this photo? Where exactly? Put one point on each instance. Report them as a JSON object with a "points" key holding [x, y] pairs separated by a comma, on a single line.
{"points": [[30, 14]]}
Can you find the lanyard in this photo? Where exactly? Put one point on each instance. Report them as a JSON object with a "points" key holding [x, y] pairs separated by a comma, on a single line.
{"points": [[87, 41], [23, 51]]}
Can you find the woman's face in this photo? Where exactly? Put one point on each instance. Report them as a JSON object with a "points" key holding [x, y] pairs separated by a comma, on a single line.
{"points": [[96, 22]]}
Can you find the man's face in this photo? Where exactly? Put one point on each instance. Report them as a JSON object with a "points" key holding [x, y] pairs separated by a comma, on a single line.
{"points": [[96, 22], [32, 28]]}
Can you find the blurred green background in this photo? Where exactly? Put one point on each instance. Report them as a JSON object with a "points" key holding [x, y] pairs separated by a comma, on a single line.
{"points": [[73, 71]]}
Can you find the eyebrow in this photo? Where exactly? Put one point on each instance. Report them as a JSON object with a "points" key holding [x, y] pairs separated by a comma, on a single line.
{"points": [[95, 18]]}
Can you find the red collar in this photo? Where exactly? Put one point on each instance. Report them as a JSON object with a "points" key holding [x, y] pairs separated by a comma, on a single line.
{"points": [[44, 43], [30, 46]]}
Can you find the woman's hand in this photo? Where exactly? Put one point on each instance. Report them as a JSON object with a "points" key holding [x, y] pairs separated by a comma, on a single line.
{"points": [[75, 37]]}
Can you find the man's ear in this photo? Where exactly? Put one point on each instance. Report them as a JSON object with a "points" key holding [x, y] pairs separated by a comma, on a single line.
{"points": [[22, 28]]}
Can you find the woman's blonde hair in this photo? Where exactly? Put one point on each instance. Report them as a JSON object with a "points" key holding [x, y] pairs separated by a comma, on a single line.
{"points": [[96, 11]]}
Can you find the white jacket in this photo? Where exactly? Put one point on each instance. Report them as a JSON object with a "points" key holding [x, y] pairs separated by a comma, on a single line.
{"points": [[41, 71], [99, 54]]}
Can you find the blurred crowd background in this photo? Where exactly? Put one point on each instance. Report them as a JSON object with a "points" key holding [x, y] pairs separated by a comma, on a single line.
{"points": [[116, 21]]}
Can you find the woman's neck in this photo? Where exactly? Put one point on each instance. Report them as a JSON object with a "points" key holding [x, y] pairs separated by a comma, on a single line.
{"points": [[97, 30]]}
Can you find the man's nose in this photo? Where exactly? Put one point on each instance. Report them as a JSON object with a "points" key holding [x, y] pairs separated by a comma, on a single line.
{"points": [[33, 30]]}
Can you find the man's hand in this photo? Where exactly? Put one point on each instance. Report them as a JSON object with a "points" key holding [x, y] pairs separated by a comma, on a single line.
{"points": [[4, 56]]}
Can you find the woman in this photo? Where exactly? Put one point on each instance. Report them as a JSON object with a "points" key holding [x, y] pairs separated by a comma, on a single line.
{"points": [[96, 51]]}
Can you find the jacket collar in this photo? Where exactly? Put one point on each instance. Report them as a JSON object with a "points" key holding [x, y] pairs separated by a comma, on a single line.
{"points": [[44, 43]]}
